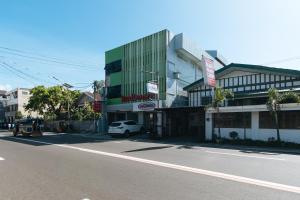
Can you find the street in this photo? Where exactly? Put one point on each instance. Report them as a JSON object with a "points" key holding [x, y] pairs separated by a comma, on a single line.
{"points": [[77, 167]]}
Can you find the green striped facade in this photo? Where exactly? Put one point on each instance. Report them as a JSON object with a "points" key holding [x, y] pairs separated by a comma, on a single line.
{"points": [[141, 60]]}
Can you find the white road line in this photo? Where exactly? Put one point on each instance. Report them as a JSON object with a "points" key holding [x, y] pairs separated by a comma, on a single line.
{"points": [[240, 179], [1, 158], [240, 155]]}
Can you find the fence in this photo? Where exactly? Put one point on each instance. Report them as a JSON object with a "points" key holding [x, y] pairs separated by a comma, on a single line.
{"points": [[75, 126]]}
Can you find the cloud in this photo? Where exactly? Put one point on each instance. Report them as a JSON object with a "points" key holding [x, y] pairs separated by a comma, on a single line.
{"points": [[6, 87]]}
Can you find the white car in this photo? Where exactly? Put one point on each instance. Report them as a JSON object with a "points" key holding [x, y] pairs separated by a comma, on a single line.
{"points": [[125, 128]]}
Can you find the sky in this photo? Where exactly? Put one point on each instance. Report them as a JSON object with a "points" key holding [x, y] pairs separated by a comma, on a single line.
{"points": [[52, 42]]}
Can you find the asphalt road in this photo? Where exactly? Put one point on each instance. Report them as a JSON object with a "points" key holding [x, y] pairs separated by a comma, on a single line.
{"points": [[75, 167]]}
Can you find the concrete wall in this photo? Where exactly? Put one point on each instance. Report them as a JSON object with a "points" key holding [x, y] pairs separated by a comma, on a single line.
{"points": [[254, 133], [77, 126]]}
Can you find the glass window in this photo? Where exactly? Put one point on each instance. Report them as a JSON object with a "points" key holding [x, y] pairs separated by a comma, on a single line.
{"points": [[287, 120], [114, 91], [112, 67], [233, 120]]}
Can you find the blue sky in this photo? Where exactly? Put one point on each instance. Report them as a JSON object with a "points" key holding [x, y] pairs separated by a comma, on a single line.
{"points": [[78, 33]]}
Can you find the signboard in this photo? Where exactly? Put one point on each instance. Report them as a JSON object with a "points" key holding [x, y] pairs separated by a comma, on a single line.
{"points": [[208, 71], [97, 106], [133, 97], [144, 106], [152, 88]]}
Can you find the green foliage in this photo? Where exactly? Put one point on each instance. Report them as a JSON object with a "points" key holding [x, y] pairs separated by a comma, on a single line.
{"points": [[19, 115], [290, 97], [220, 96], [52, 102], [85, 113], [274, 101]]}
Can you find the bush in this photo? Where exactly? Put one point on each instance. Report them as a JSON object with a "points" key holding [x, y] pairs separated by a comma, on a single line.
{"points": [[233, 135]]}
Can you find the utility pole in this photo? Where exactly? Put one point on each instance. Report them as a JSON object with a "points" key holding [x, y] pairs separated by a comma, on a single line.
{"points": [[97, 85], [68, 86]]}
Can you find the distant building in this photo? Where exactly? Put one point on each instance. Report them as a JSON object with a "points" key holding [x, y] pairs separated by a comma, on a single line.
{"points": [[88, 98], [3, 101], [16, 101]]}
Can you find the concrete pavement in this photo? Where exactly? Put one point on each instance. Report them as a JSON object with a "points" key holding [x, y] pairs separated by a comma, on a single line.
{"points": [[44, 170]]}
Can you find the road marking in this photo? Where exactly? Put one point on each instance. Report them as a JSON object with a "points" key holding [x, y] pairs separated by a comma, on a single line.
{"points": [[117, 142], [239, 155], [1, 158], [240, 179]]}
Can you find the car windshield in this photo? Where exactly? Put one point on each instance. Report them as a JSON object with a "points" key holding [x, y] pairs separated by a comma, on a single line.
{"points": [[115, 124]]}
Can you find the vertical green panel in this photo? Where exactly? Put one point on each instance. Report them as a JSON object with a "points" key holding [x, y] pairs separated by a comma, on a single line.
{"points": [[141, 57], [114, 54], [115, 78]]}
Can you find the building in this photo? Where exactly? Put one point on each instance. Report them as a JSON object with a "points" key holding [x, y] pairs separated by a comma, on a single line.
{"points": [[247, 113], [168, 60], [87, 98], [16, 101], [3, 101]]}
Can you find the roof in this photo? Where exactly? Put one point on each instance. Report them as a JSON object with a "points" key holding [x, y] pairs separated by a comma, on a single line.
{"points": [[249, 67], [90, 97], [2, 92]]}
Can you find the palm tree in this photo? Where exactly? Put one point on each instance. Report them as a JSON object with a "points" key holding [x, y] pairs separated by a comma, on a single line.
{"points": [[219, 97], [273, 104]]}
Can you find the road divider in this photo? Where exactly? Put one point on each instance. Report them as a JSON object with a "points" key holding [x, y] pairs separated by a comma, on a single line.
{"points": [[230, 177]]}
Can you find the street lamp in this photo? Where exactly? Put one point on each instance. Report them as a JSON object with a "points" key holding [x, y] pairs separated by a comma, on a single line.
{"points": [[68, 86]]}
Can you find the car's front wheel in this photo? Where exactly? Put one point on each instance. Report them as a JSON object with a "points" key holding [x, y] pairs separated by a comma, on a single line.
{"points": [[142, 130], [127, 133]]}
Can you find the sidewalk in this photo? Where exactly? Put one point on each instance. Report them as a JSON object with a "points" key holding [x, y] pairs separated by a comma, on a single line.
{"points": [[187, 143]]}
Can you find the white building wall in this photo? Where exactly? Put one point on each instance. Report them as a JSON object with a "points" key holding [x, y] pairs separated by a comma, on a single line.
{"points": [[254, 133], [208, 126]]}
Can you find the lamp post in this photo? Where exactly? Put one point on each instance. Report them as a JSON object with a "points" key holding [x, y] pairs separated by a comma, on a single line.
{"points": [[68, 86]]}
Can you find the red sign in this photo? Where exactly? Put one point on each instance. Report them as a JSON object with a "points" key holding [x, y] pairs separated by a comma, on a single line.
{"points": [[97, 106], [137, 97], [209, 71]]}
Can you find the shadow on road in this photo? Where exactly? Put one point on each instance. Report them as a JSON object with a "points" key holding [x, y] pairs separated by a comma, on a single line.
{"points": [[57, 139], [184, 143], [149, 148]]}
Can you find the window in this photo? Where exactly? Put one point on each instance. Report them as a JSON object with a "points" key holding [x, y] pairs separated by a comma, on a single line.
{"points": [[130, 123], [233, 120], [205, 100], [24, 93], [287, 120], [114, 91], [112, 67]]}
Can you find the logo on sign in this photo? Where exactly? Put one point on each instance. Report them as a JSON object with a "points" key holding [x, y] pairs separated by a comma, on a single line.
{"points": [[146, 106]]}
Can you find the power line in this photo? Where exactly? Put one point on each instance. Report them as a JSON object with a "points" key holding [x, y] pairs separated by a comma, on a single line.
{"points": [[25, 74], [13, 72], [36, 54], [51, 60], [282, 60]]}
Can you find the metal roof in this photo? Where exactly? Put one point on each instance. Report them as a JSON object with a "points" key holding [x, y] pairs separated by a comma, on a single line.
{"points": [[248, 67]]}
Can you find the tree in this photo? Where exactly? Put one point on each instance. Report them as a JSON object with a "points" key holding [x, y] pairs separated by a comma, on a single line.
{"points": [[85, 113], [52, 102], [18, 115], [219, 97], [273, 104]]}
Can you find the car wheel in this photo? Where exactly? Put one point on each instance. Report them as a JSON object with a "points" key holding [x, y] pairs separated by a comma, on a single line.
{"points": [[142, 130], [127, 133]]}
